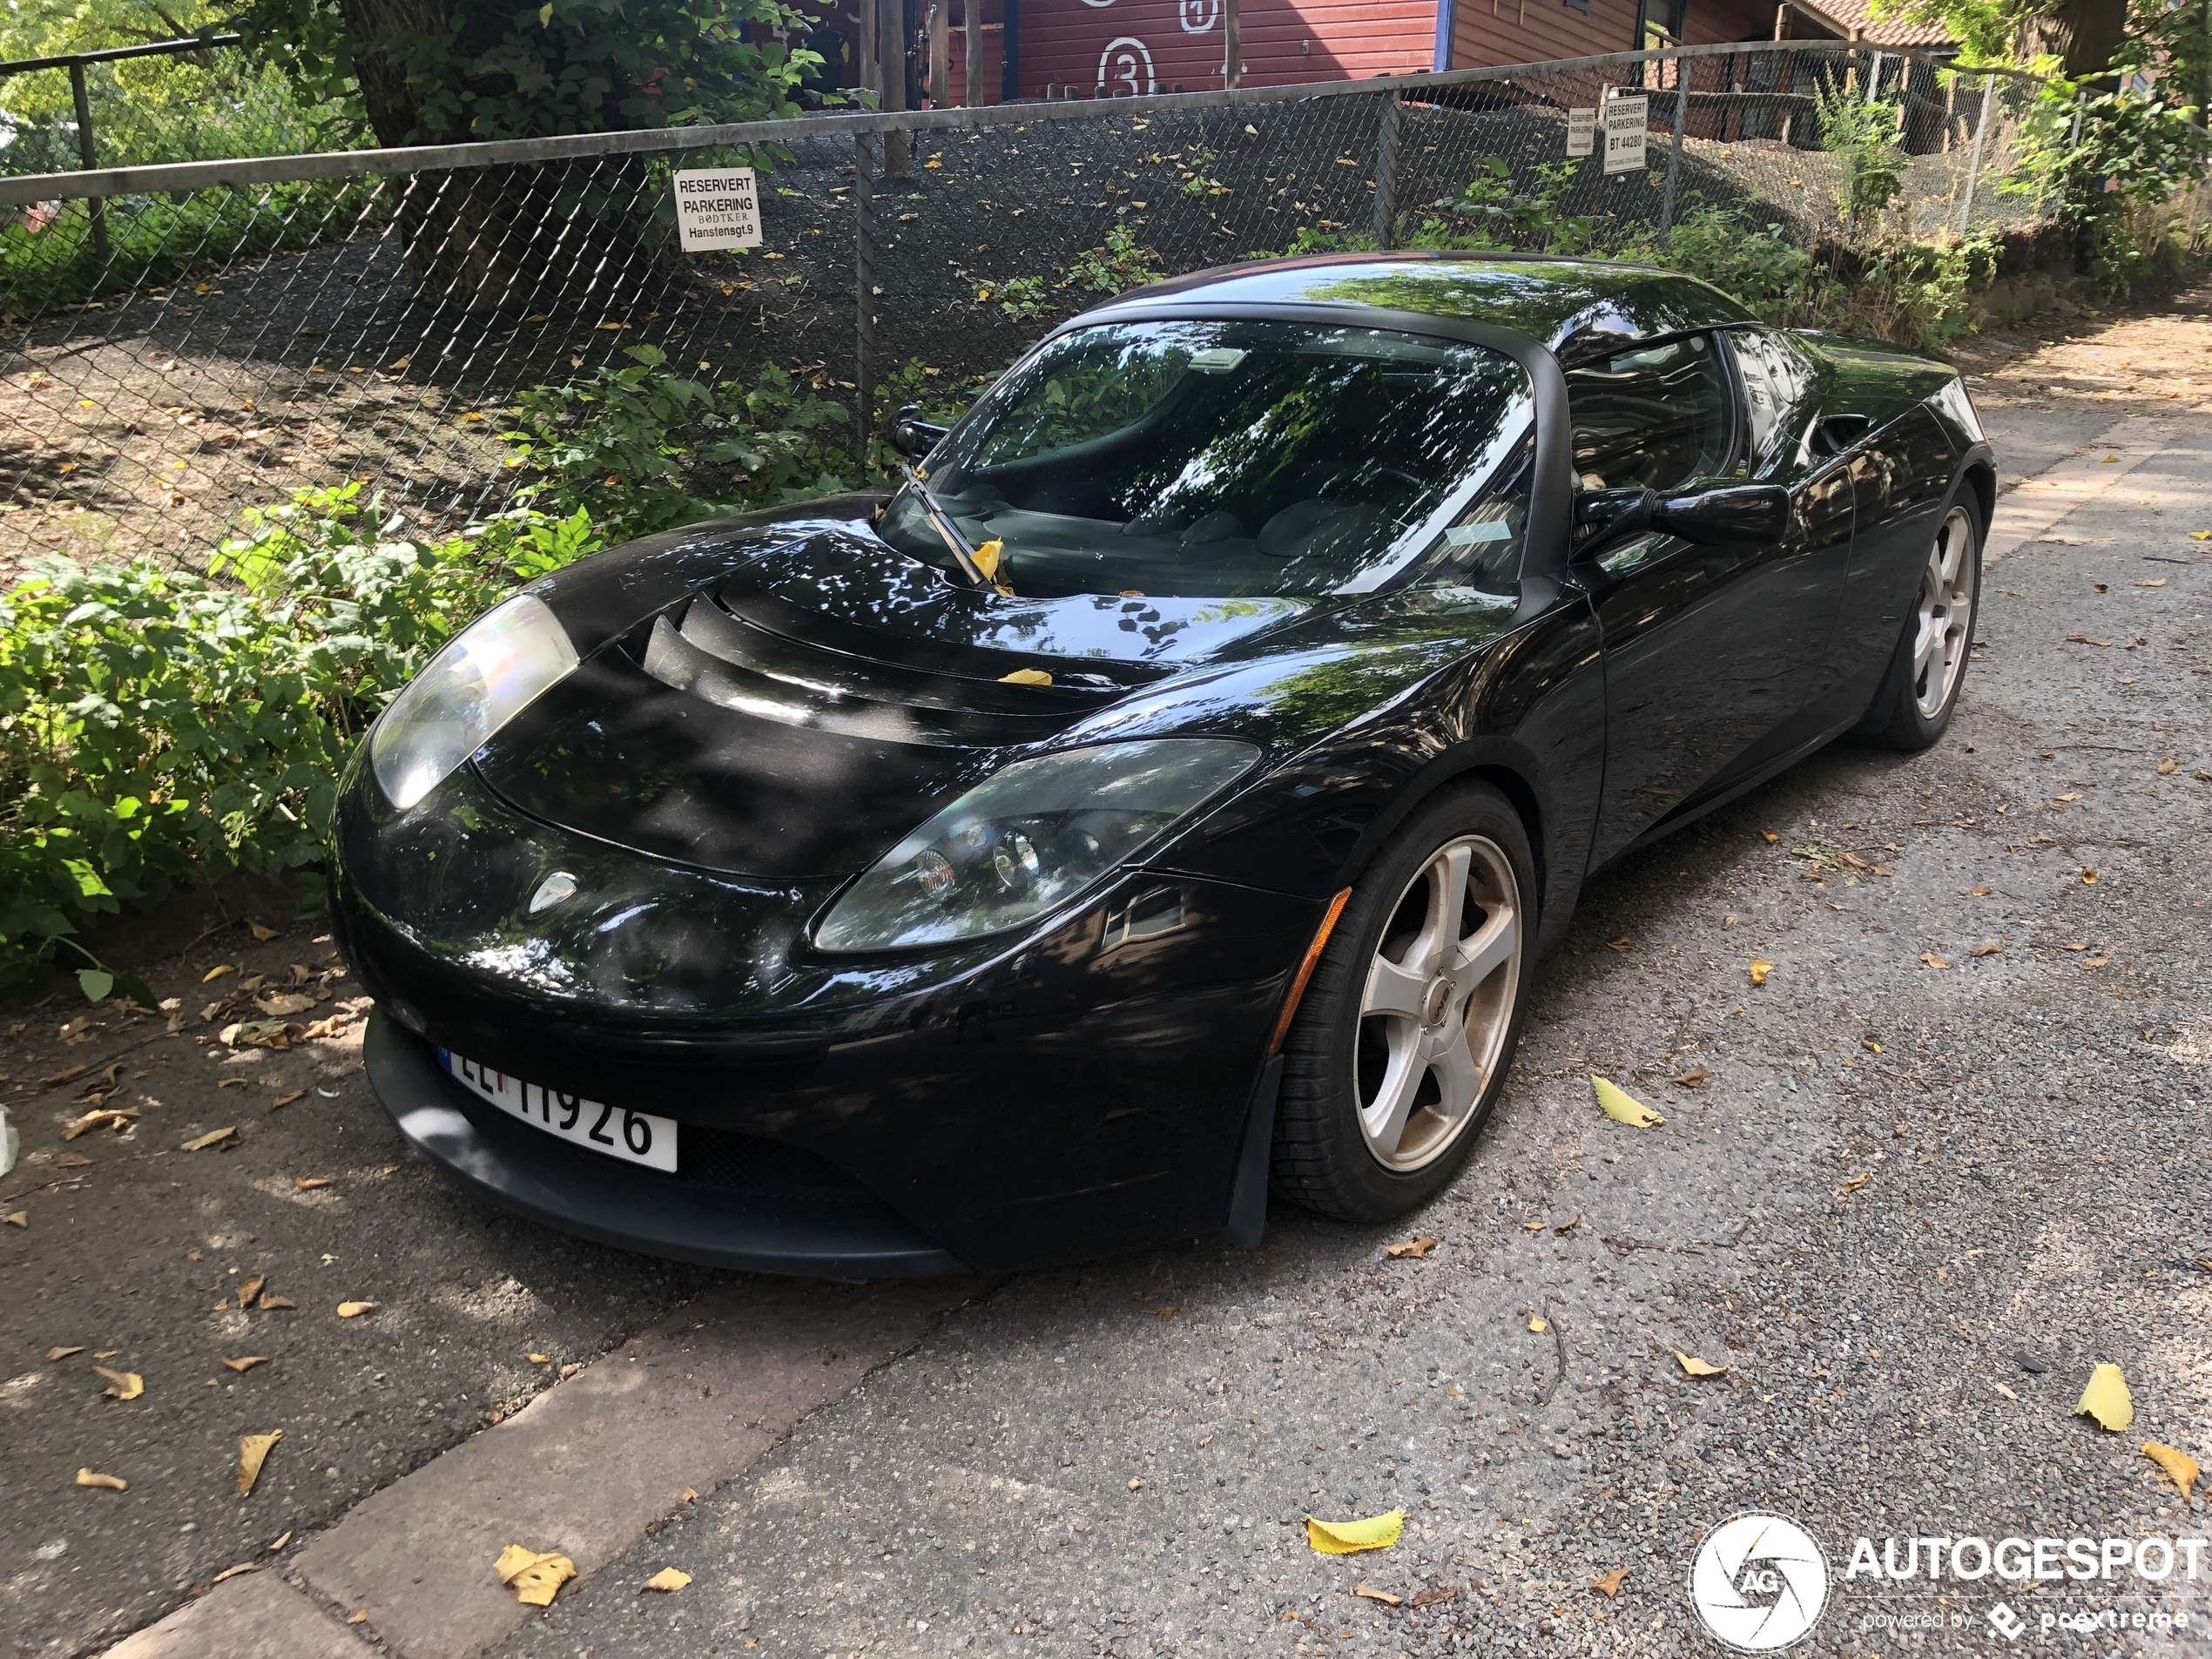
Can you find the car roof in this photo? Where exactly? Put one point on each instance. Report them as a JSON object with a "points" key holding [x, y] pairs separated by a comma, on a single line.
{"points": [[1578, 307]]}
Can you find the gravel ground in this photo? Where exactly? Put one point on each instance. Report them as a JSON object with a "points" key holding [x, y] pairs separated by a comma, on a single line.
{"points": [[2029, 1129], [1919, 1192]]}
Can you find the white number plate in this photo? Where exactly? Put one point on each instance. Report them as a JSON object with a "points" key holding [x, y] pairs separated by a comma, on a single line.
{"points": [[635, 1137]]}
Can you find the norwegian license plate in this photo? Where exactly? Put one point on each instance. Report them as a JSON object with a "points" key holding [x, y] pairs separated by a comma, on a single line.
{"points": [[635, 1137]]}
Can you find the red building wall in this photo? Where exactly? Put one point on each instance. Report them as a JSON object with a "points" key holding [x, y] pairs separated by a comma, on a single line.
{"points": [[1151, 45]]}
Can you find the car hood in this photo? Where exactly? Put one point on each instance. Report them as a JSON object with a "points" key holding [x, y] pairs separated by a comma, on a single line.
{"points": [[787, 702]]}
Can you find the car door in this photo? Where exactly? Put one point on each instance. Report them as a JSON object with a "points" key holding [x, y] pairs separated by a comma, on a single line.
{"points": [[1710, 651]]}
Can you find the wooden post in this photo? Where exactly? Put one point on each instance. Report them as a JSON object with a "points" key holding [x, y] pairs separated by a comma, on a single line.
{"points": [[1233, 44], [941, 54], [891, 42], [972, 48], [1386, 171], [871, 65]]}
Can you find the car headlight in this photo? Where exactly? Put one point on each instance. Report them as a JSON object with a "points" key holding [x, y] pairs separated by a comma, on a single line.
{"points": [[1028, 838], [488, 673]]}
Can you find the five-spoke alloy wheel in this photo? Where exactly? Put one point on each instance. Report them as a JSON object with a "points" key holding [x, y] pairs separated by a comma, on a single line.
{"points": [[1401, 1045], [1921, 688]]}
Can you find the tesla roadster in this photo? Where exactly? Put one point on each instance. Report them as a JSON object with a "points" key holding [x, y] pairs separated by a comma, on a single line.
{"points": [[1160, 800]]}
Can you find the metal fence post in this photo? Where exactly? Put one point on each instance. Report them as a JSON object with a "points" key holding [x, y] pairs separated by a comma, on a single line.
{"points": [[864, 301], [89, 154], [1674, 154], [1386, 171], [1974, 160]]}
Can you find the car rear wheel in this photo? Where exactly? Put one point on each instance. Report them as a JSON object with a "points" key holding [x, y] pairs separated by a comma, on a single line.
{"points": [[1401, 1045], [1921, 688]]}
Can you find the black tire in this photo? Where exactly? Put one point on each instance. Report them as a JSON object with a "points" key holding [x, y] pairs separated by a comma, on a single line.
{"points": [[1322, 1159], [1902, 716]]}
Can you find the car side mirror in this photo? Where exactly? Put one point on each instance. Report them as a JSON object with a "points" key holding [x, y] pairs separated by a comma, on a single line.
{"points": [[1604, 518], [911, 435], [1738, 513]]}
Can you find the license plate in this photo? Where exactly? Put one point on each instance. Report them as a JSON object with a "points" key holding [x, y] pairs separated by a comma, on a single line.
{"points": [[635, 1137]]}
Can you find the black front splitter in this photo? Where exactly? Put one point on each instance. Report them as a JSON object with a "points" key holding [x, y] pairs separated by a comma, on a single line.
{"points": [[610, 1202]]}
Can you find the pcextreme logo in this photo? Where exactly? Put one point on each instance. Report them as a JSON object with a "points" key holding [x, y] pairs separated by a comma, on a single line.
{"points": [[1759, 1582]]}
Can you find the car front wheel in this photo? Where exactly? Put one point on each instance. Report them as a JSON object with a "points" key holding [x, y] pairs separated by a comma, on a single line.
{"points": [[1921, 688], [1401, 1045]]}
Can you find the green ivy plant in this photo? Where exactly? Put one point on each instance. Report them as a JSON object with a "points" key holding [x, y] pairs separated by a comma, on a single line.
{"points": [[1863, 134]]}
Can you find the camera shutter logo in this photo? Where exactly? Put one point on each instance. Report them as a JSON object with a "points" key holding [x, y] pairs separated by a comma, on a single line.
{"points": [[1759, 1582]]}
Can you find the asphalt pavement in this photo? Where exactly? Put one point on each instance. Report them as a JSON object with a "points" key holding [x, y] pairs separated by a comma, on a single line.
{"points": [[1940, 1163]]}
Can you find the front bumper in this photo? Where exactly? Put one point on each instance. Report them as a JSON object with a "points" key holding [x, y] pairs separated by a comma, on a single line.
{"points": [[772, 1220]]}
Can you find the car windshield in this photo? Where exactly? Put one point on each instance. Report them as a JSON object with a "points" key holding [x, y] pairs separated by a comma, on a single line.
{"points": [[1235, 459]]}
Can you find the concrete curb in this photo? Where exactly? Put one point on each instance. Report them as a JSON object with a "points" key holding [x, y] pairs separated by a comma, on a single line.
{"points": [[586, 1468]]}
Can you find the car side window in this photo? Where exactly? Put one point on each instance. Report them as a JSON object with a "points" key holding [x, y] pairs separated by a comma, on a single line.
{"points": [[1653, 418], [1778, 386]]}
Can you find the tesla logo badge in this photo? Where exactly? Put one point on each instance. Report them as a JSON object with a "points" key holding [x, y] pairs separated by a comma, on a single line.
{"points": [[551, 891]]}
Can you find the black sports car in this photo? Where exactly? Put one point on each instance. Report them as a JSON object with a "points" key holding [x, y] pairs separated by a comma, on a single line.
{"points": [[1162, 798]]}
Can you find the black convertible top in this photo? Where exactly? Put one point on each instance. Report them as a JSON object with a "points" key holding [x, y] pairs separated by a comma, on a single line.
{"points": [[1577, 307]]}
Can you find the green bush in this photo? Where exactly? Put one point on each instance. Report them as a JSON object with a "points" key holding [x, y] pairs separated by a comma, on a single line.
{"points": [[158, 728], [647, 449]]}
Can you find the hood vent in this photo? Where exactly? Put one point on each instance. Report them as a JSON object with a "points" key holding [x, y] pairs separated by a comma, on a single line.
{"points": [[736, 663]]}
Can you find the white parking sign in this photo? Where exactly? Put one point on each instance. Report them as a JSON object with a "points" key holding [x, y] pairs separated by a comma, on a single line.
{"points": [[717, 207], [1624, 131]]}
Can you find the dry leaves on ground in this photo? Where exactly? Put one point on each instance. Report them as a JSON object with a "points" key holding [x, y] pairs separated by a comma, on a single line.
{"points": [[1693, 1366], [53, 1354], [1621, 1107], [539, 1358], [535, 1578], [1609, 1586], [1537, 1325], [1350, 1537], [1434, 1595], [217, 972], [225, 1136], [17, 1219], [286, 1100], [1417, 1246], [105, 1482], [1368, 1592], [667, 1580], [232, 1572], [1623, 944], [1694, 1078], [2105, 1398], [101, 1117], [2176, 1463], [1855, 1183], [354, 1309], [261, 935], [246, 1363], [252, 1452], [1987, 948], [121, 1385], [310, 1183], [1759, 971], [1933, 959]]}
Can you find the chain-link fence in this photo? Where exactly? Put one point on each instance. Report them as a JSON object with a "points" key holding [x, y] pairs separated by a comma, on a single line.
{"points": [[254, 328]]}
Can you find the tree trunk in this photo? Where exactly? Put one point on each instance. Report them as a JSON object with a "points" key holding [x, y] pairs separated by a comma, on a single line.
{"points": [[2081, 34]]}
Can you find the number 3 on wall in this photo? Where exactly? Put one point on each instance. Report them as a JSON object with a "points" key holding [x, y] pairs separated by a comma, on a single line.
{"points": [[1126, 63]]}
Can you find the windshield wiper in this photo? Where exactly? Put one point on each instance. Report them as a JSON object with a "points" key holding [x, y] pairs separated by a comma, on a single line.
{"points": [[948, 532]]}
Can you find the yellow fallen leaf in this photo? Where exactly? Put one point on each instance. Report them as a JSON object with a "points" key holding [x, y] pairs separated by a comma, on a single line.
{"points": [[2168, 767], [2158, 583], [1621, 1107], [1933, 959], [539, 1358], [1855, 1183], [53, 1354], [1610, 1584], [359, 1616], [17, 1219], [100, 1117], [310, 1183], [232, 1572], [1623, 944], [1417, 1246], [1770, 837], [261, 935], [2175, 1462], [1374, 1595], [1759, 971], [690, 1496], [213, 1138], [1693, 1366], [253, 1451], [1350, 1537], [1987, 948], [1537, 1325], [2107, 1398], [269, 1301], [2110, 459], [2088, 878], [1026, 677], [534, 1578], [286, 1100], [217, 972], [252, 1288], [354, 1309], [666, 1581], [105, 1482], [282, 1540], [121, 1385], [246, 1363]]}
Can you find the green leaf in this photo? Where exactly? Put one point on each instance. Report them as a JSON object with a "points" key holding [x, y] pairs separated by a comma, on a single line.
{"points": [[97, 983]]}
